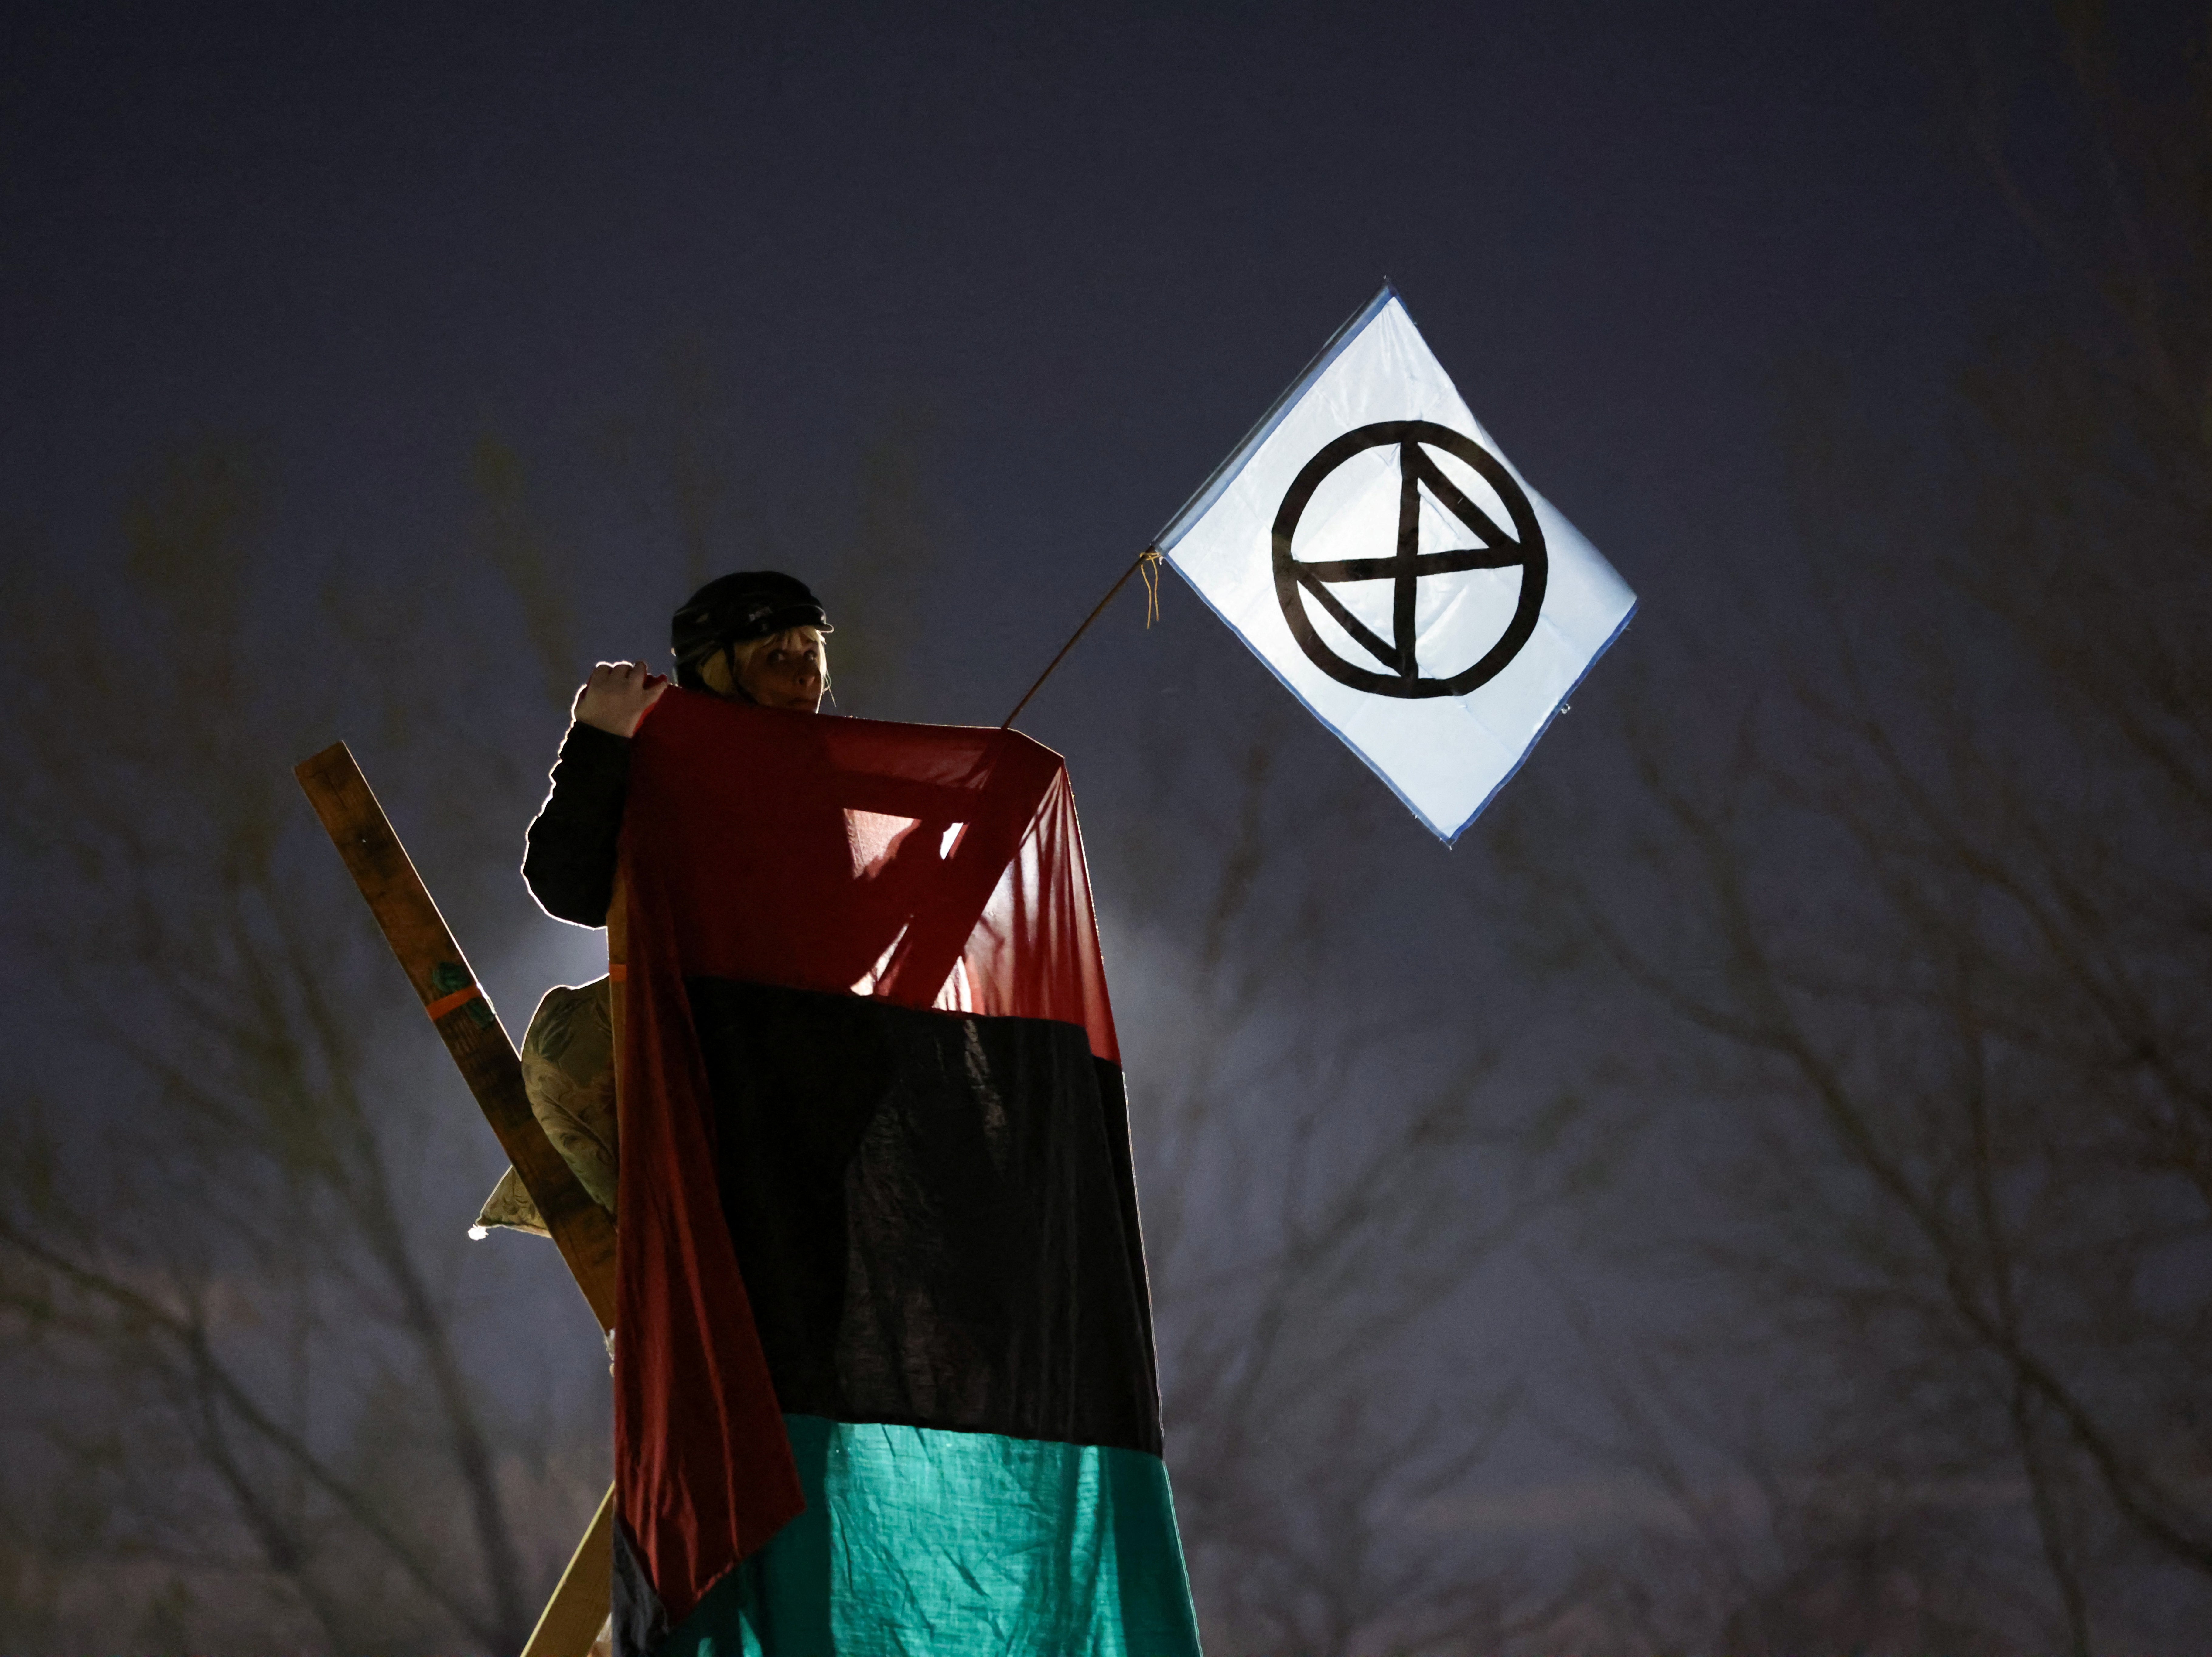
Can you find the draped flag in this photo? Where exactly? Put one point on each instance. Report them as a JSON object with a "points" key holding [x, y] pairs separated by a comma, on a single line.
{"points": [[884, 1373], [1379, 553]]}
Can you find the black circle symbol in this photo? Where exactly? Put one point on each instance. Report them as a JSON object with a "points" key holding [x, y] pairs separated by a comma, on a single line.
{"points": [[1524, 547]]}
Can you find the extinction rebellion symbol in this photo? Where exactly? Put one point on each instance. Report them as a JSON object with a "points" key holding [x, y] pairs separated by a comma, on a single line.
{"points": [[1524, 547]]}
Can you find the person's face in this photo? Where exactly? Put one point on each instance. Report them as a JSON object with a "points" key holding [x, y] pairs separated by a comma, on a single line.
{"points": [[786, 672]]}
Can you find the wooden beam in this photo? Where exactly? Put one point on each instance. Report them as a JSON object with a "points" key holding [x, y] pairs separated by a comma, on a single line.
{"points": [[462, 1015], [466, 1022], [578, 1609]]}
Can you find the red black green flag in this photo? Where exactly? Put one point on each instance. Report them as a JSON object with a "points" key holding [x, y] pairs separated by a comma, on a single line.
{"points": [[884, 1378]]}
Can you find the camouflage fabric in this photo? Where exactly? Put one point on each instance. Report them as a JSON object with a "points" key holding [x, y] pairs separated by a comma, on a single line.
{"points": [[568, 1070]]}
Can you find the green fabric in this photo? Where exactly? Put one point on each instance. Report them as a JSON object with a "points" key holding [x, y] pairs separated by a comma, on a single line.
{"points": [[916, 1541]]}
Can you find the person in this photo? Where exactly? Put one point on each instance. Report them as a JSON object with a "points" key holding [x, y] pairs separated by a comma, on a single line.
{"points": [[755, 636], [887, 1372]]}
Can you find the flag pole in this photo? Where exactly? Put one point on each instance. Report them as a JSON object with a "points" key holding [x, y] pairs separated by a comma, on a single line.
{"points": [[1150, 554]]}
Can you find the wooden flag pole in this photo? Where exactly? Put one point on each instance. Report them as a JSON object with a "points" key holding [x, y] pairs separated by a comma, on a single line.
{"points": [[573, 1617], [1149, 556], [465, 1020]]}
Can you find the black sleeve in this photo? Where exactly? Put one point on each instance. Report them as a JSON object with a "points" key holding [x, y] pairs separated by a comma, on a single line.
{"points": [[569, 861]]}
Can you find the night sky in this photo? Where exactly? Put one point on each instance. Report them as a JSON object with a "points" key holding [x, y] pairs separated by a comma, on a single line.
{"points": [[1076, 255], [1087, 250]]}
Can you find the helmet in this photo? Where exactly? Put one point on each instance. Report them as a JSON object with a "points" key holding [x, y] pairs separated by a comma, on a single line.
{"points": [[731, 609]]}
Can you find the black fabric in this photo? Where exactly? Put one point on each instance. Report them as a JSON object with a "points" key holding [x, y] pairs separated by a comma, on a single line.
{"points": [[569, 859], [935, 1214], [640, 1621]]}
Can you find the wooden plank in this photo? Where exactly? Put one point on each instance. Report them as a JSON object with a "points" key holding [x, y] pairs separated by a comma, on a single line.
{"points": [[462, 1014], [578, 1609]]}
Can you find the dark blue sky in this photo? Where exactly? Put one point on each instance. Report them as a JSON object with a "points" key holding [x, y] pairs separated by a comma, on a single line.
{"points": [[1085, 249], [1090, 248]]}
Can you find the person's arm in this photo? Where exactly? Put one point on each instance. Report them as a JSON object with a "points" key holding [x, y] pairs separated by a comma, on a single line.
{"points": [[569, 862]]}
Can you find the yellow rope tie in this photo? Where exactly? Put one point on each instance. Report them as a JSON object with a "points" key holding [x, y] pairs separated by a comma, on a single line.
{"points": [[1149, 562]]}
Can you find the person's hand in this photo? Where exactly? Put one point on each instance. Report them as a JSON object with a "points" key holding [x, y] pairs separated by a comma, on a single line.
{"points": [[615, 698]]}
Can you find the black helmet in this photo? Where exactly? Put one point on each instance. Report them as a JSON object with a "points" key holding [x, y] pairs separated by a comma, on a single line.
{"points": [[731, 609]]}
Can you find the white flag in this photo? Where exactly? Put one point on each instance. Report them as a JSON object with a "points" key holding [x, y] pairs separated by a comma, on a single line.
{"points": [[1376, 550]]}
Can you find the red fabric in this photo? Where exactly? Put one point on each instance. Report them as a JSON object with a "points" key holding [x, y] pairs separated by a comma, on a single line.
{"points": [[929, 865]]}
